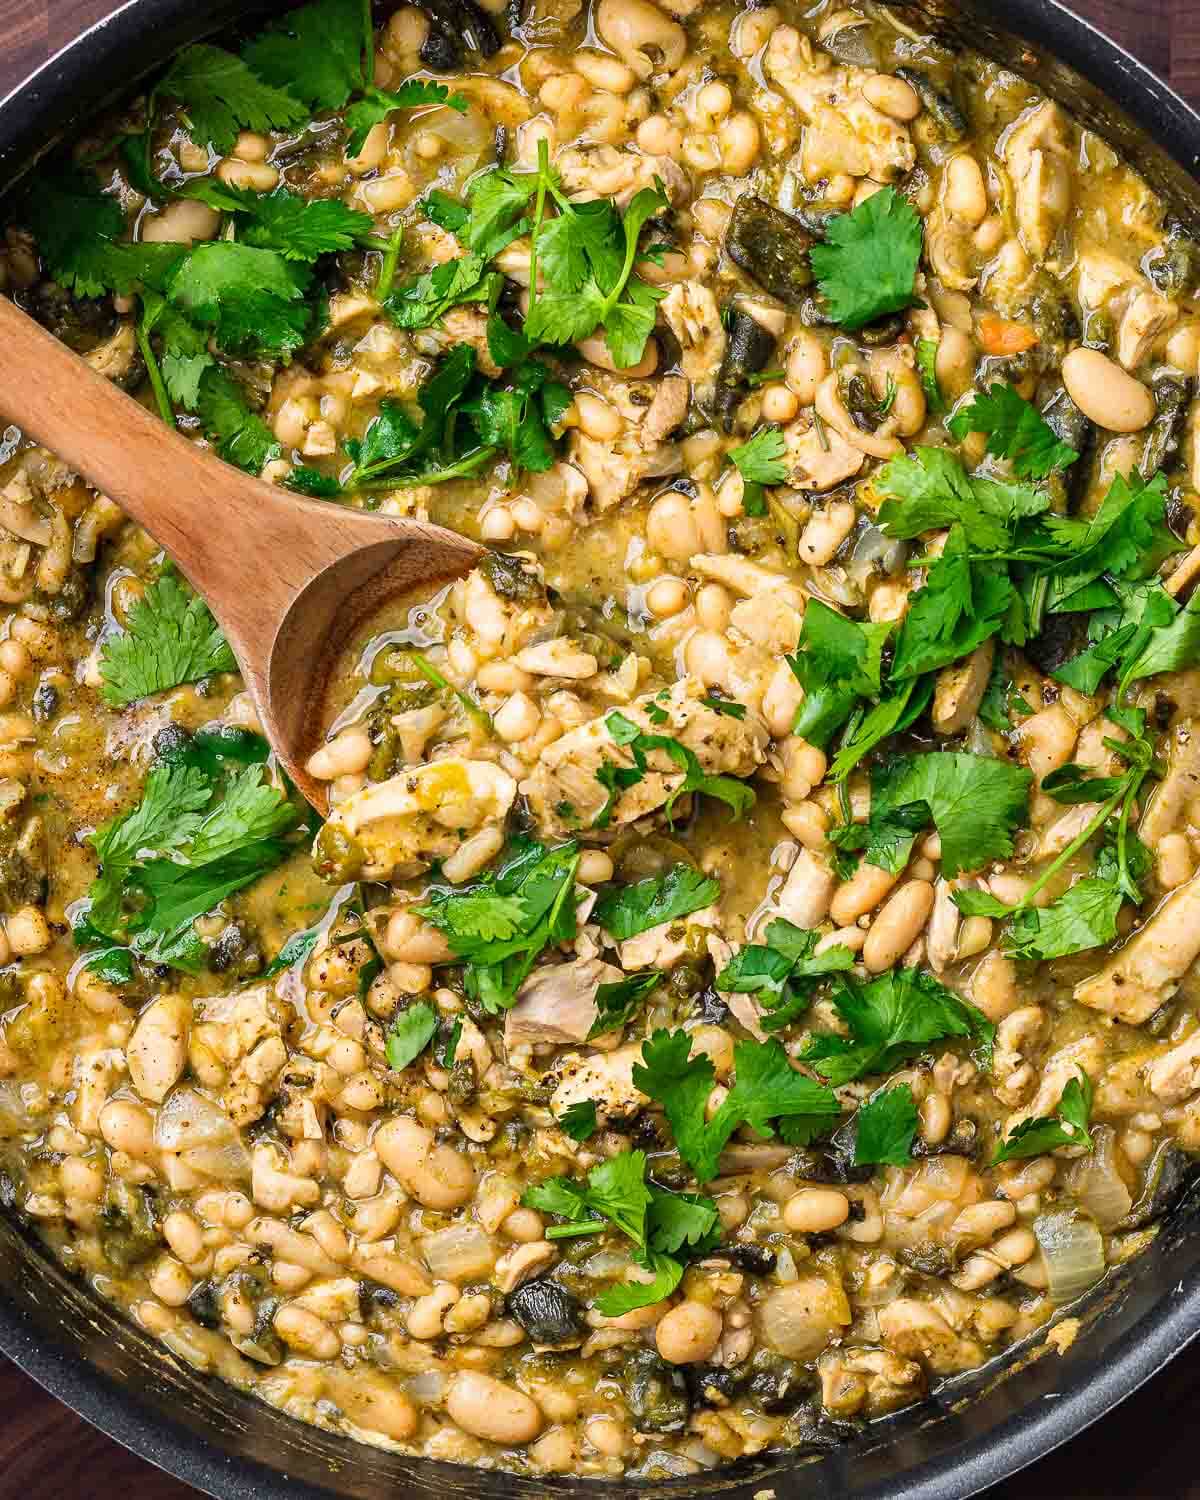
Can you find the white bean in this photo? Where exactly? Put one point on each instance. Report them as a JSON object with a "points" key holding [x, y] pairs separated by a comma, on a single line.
{"points": [[491, 1410], [1105, 393]]}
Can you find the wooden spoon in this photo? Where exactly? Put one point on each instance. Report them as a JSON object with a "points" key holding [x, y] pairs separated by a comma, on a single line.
{"points": [[288, 578]]}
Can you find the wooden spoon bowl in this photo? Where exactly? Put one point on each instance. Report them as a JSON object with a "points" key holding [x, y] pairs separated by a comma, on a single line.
{"points": [[288, 578]]}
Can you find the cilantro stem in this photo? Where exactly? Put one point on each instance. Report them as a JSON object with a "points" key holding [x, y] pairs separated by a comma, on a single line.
{"points": [[154, 374], [566, 1231], [431, 674], [538, 213], [465, 466], [387, 270], [369, 42], [1124, 793]]}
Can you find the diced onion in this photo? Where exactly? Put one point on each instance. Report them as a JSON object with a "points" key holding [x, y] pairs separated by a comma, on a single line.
{"points": [[226, 1161], [1071, 1243], [461, 1253], [188, 1119], [1096, 1183]]}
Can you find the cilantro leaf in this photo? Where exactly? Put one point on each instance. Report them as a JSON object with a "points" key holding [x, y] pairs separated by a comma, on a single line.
{"points": [[681, 1221], [1015, 430], [1127, 538], [422, 302], [836, 662], [725, 706], [242, 437], [294, 951], [252, 299], [376, 104], [501, 924], [409, 1034], [961, 605], [298, 228], [891, 1019], [736, 795], [315, 53], [615, 1189], [766, 1087], [248, 811], [891, 715], [976, 803], [77, 227], [616, 1301], [868, 265], [781, 971], [1083, 917], [626, 911], [170, 638], [886, 839], [185, 353], [189, 843], [1171, 647], [579, 1120], [617, 1003], [165, 819], [929, 489], [517, 418], [759, 460], [885, 1127], [1068, 1126], [220, 95]]}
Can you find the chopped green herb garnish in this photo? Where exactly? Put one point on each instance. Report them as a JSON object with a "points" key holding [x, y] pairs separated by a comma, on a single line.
{"points": [[868, 264], [1068, 1126], [885, 1127], [766, 1089], [170, 638]]}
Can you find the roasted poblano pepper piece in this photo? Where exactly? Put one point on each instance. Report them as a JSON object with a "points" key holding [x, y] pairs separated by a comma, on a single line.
{"points": [[942, 110], [772, 247], [747, 350]]}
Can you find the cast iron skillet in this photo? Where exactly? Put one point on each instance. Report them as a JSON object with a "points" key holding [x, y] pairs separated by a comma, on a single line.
{"points": [[977, 1430]]}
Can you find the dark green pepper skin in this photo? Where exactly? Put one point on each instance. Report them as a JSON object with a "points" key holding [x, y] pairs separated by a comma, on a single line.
{"points": [[747, 350], [656, 1393], [770, 246], [1172, 396], [946, 115]]}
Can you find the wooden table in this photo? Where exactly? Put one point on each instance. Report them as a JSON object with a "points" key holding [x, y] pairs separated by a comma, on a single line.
{"points": [[1145, 1449]]}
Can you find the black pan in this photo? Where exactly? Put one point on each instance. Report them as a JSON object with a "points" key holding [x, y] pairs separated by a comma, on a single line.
{"points": [[977, 1429]]}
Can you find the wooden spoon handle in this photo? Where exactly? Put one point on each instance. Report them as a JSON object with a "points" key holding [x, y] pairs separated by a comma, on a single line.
{"points": [[121, 448], [250, 547]]}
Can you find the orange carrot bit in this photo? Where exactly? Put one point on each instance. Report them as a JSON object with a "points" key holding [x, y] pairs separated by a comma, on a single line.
{"points": [[1000, 336]]}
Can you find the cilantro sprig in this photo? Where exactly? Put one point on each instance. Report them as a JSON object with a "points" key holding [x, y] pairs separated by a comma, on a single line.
{"points": [[409, 1034], [201, 831], [1067, 1126], [616, 778], [975, 802], [170, 637], [581, 271], [868, 264], [783, 971], [500, 924], [768, 1094], [666, 1228], [892, 1019], [319, 57], [759, 460], [1085, 916], [837, 662]]}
